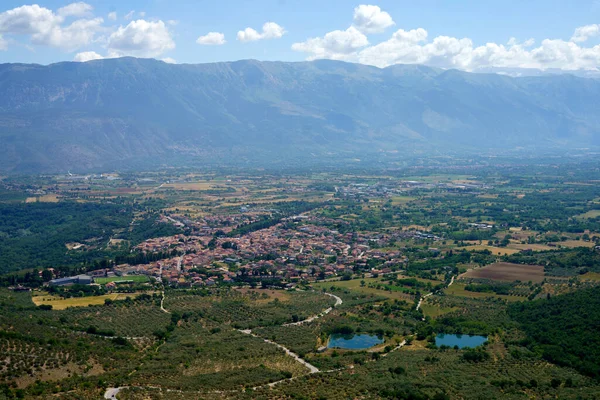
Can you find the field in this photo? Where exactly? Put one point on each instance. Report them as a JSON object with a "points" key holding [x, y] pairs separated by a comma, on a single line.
{"points": [[508, 272], [48, 198], [494, 250], [591, 276], [134, 278], [355, 286], [590, 214], [434, 311], [58, 303], [576, 243], [458, 289]]}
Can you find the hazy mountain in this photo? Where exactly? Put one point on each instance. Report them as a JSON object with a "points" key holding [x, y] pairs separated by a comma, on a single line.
{"points": [[136, 112]]}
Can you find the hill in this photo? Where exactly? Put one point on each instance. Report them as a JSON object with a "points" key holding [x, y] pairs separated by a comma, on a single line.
{"points": [[137, 113]]}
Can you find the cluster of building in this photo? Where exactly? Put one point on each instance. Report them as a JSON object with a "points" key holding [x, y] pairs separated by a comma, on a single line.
{"points": [[298, 249]]}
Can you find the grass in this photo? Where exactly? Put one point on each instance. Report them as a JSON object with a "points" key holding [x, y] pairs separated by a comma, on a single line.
{"points": [[354, 285], [58, 303], [458, 289], [589, 214], [401, 200], [591, 276], [134, 278], [434, 311]]}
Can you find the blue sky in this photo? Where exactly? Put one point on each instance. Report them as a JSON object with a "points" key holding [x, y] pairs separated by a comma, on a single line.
{"points": [[464, 34]]}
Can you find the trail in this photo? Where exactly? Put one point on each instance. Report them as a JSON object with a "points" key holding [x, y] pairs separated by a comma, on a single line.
{"points": [[295, 356], [429, 294], [162, 301], [111, 393], [338, 302]]}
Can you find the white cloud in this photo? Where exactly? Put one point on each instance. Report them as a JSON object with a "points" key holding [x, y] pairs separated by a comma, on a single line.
{"points": [[112, 16], [87, 56], [46, 28], [173, 22], [141, 38], [415, 47], [336, 45], [142, 14], [27, 20], [370, 19], [169, 60], [212, 38], [79, 9], [270, 30], [3, 44], [129, 15], [583, 33]]}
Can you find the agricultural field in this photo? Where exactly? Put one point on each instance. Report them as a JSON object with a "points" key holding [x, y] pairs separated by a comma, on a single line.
{"points": [[59, 303], [507, 272]]}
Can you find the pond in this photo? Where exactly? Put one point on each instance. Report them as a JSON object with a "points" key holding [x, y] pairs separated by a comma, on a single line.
{"points": [[461, 341], [353, 342]]}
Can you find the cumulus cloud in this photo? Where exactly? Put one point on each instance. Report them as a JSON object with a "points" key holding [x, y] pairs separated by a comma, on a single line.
{"points": [[3, 44], [47, 28], [129, 15], [415, 47], [212, 38], [169, 60], [142, 14], [270, 30], [336, 45], [141, 38], [79, 9], [370, 19], [87, 56], [583, 33], [112, 16]]}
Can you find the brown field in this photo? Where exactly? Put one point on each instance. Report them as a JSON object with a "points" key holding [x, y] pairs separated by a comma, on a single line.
{"points": [[534, 247], [576, 243], [508, 272], [49, 198]]}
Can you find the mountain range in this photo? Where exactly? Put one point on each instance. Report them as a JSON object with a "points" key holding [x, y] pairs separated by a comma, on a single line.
{"points": [[135, 113]]}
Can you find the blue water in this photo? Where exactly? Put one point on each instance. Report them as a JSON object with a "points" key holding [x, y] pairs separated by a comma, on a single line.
{"points": [[353, 342], [461, 341]]}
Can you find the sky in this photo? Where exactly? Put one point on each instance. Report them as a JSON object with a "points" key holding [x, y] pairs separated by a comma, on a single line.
{"points": [[465, 34]]}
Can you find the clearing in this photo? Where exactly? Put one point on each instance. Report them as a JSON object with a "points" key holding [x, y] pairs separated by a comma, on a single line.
{"points": [[58, 303]]}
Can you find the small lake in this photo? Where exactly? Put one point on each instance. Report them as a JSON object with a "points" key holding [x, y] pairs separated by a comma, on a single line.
{"points": [[353, 342], [461, 341]]}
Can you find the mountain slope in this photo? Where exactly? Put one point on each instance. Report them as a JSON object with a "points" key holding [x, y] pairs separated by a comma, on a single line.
{"points": [[127, 112]]}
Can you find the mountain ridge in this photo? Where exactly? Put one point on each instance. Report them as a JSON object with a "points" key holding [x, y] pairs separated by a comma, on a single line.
{"points": [[134, 112]]}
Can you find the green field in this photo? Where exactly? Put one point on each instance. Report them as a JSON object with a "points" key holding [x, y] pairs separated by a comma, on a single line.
{"points": [[355, 286], [458, 289], [134, 278]]}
